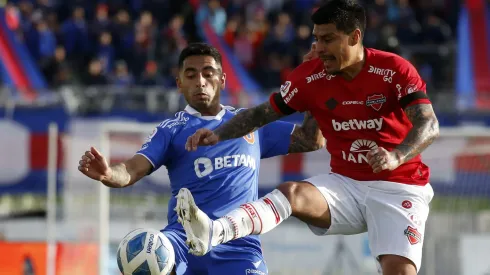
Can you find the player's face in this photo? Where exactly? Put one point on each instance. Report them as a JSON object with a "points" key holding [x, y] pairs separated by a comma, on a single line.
{"points": [[200, 81], [335, 47]]}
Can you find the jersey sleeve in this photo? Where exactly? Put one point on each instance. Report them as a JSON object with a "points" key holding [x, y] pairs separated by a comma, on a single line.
{"points": [[410, 87], [156, 146], [275, 138], [291, 96]]}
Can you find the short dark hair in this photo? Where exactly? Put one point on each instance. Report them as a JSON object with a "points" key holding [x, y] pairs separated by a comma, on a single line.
{"points": [[199, 49], [346, 15]]}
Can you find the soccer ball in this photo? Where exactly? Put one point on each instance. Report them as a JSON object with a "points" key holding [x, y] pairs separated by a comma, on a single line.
{"points": [[145, 251]]}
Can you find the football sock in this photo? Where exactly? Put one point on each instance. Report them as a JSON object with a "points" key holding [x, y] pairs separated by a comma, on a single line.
{"points": [[252, 218]]}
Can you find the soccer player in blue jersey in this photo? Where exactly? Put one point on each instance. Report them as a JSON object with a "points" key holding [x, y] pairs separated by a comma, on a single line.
{"points": [[221, 177]]}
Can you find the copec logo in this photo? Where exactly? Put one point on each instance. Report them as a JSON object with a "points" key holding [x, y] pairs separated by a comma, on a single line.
{"points": [[205, 166], [354, 124], [358, 151]]}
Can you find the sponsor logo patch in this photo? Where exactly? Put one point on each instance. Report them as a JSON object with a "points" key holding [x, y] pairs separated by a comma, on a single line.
{"points": [[352, 102], [411, 88], [413, 235], [354, 124], [285, 88], [415, 219], [407, 204], [316, 76]]}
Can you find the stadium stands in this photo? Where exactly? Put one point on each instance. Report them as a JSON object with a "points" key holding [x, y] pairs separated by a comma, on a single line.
{"points": [[127, 43]]}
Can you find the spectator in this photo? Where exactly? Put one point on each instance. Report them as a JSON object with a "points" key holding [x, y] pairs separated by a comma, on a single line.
{"points": [[75, 34], [122, 32], [244, 47], [150, 76], [106, 52], [122, 77], [230, 32], [94, 75], [214, 14], [47, 40], [101, 23], [53, 66]]}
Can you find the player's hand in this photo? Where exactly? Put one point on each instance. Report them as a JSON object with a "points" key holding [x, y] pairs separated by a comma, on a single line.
{"points": [[381, 159], [202, 137], [312, 54], [94, 165]]}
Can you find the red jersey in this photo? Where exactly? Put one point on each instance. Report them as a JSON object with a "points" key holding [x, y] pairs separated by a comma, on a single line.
{"points": [[359, 115]]}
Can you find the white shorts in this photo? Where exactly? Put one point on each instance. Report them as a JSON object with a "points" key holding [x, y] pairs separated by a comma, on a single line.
{"points": [[393, 214]]}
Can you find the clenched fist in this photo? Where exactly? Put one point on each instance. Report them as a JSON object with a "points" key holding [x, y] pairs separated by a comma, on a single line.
{"points": [[381, 159], [94, 165], [202, 137]]}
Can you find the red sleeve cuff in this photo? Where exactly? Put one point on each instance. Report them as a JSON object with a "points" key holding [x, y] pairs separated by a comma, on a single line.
{"points": [[419, 101], [273, 104]]}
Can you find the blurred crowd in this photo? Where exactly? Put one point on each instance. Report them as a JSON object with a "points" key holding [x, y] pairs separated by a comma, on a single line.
{"points": [[137, 42]]}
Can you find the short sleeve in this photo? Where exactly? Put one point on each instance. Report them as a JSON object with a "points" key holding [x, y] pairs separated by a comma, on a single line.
{"points": [[291, 96], [410, 87], [275, 138], [156, 147]]}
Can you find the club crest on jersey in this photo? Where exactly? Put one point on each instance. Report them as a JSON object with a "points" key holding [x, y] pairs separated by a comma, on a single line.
{"points": [[250, 138], [411, 88], [413, 235], [285, 88], [376, 101]]}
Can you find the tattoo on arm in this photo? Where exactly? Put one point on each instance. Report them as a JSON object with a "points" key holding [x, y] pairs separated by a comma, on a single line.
{"points": [[306, 138], [247, 121], [425, 130], [120, 176]]}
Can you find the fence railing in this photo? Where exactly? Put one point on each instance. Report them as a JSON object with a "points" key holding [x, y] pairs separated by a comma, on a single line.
{"points": [[157, 99]]}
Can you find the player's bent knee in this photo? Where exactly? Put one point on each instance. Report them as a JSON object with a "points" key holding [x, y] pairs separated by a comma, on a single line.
{"points": [[397, 265], [294, 192], [307, 203]]}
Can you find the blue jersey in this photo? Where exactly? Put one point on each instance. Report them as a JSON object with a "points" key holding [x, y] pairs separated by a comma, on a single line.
{"points": [[221, 177]]}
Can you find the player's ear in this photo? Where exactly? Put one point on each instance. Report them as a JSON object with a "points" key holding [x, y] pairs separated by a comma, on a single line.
{"points": [[179, 84], [223, 81], [355, 37]]}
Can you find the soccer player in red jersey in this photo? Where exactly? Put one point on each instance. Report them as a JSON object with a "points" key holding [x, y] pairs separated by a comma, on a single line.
{"points": [[373, 111]]}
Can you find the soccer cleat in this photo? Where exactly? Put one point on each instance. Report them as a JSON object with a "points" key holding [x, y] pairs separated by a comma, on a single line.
{"points": [[197, 225]]}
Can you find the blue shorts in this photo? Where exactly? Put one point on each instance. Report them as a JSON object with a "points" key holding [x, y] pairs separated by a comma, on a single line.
{"points": [[226, 259]]}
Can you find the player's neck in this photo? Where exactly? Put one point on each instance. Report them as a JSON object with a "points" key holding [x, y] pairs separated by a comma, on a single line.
{"points": [[350, 72], [210, 111]]}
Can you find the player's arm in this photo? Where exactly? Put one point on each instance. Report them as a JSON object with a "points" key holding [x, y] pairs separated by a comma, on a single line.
{"points": [[411, 93], [128, 172], [247, 121], [251, 119], [282, 138], [425, 130], [150, 157], [95, 166], [307, 137]]}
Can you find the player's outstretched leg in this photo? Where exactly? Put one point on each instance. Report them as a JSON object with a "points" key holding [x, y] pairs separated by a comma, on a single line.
{"points": [[300, 199], [203, 233]]}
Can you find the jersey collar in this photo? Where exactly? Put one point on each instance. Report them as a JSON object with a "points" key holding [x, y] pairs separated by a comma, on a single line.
{"points": [[195, 113]]}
